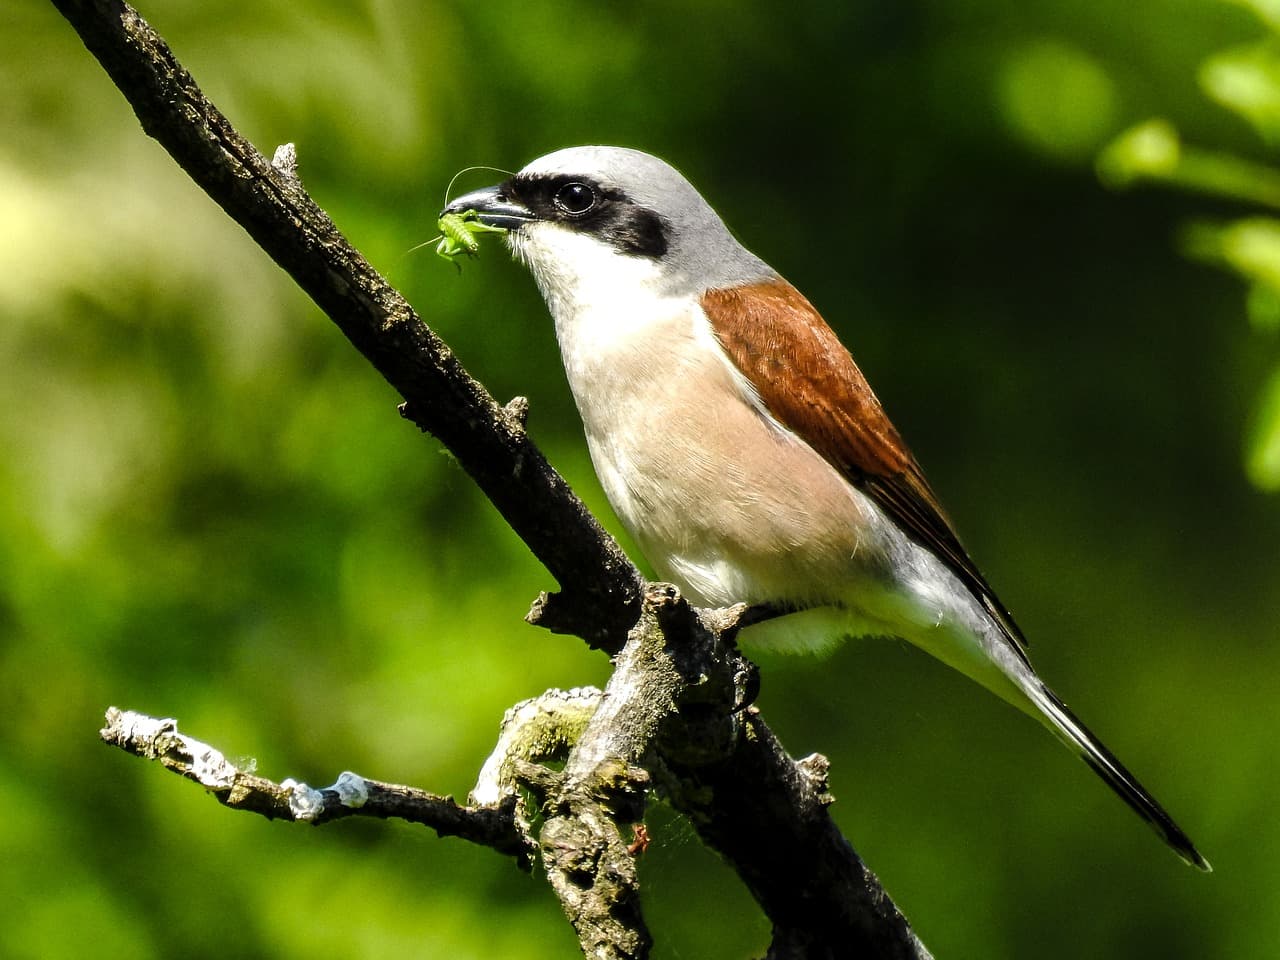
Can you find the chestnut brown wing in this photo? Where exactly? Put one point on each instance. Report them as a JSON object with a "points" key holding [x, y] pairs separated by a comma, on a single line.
{"points": [[810, 384]]}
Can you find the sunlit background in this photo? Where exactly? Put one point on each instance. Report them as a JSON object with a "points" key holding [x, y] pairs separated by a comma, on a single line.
{"points": [[1045, 230]]}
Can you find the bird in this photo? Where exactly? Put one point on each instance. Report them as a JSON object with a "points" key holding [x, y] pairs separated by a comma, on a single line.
{"points": [[739, 443]]}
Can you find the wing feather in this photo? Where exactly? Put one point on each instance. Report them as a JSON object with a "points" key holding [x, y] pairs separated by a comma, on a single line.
{"points": [[809, 382]]}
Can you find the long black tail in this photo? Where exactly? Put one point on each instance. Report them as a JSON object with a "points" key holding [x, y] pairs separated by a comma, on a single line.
{"points": [[1104, 762]]}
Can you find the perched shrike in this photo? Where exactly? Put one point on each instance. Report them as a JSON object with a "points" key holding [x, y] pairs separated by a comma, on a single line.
{"points": [[739, 443]]}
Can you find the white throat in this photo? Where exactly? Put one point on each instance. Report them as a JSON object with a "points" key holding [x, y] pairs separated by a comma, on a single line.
{"points": [[598, 297]]}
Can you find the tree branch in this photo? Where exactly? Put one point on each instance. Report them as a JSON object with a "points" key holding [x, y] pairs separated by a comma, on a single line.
{"points": [[601, 586], [722, 767], [673, 710], [158, 739]]}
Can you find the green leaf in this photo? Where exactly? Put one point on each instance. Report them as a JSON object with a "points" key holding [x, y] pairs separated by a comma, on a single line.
{"points": [[1250, 247], [1246, 80], [1262, 454], [1149, 150]]}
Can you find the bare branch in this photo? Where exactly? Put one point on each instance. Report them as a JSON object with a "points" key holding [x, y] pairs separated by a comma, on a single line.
{"points": [[589, 862], [601, 587], [158, 739], [673, 710], [673, 704]]}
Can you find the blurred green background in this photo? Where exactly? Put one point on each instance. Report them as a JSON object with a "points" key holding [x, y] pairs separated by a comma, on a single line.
{"points": [[209, 508]]}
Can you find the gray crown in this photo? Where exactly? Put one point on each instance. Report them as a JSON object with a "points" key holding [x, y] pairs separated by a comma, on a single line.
{"points": [[702, 254]]}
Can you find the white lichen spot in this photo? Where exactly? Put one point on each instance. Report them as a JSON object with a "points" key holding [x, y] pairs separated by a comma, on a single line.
{"points": [[210, 768], [304, 802], [139, 728], [352, 789]]}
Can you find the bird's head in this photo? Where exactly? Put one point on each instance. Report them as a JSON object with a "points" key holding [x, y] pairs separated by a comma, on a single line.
{"points": [[599, 218]]}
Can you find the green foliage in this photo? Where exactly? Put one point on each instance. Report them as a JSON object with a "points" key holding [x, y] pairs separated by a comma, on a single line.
{"points": [[210, 509], [1057, 98], [1245, 80]]}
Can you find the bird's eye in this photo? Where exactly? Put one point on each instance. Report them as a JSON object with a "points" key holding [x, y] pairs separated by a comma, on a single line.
{"points": [[575, 199]]}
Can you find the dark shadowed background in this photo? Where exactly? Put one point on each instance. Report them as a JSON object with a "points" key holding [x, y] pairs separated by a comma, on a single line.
{"points": [[209, 508]]}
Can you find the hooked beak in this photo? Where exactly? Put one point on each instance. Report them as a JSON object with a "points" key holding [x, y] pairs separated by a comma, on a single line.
{"points": [[493, 207]]}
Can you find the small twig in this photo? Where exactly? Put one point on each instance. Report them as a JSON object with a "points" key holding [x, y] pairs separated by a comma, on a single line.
{"points": [[153, 738]]}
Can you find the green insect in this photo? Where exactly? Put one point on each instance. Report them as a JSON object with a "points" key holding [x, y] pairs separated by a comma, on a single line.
{"points": [[459, 235]]}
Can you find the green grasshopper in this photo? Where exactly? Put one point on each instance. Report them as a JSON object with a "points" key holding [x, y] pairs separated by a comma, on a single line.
{"points": [[459, 235]]}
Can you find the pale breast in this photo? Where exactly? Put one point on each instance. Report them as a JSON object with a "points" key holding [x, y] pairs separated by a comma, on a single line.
{"points": [[723, 501]]}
